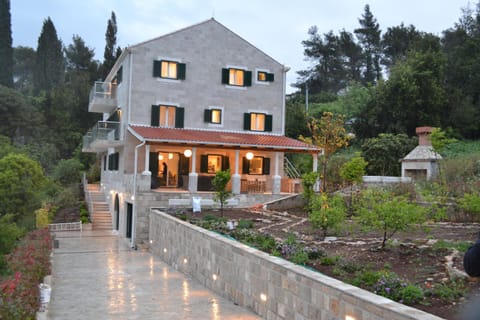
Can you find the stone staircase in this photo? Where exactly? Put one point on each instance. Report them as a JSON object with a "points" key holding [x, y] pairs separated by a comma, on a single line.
{"points": [[100, 215]]}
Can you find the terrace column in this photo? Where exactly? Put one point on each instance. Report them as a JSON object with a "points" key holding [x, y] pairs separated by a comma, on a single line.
{"points": [[193, 176], [146, 171], [277, 179], [236, 178], [316, 187]]}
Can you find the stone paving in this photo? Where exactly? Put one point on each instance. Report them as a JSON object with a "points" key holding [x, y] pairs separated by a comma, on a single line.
{"points": [[97, 276]]}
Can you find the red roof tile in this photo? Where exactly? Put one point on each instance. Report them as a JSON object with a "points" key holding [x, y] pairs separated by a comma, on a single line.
{"points": [[220, 138]]}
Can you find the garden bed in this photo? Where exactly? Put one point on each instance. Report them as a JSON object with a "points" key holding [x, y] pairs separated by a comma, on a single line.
{"points": [[416, 258]]}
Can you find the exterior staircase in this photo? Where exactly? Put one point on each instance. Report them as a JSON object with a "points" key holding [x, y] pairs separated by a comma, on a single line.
{"points": [[98, 208]]}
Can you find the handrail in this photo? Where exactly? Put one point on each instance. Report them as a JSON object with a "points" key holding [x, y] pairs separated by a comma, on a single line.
{"points": [[66, 226], [290, 169]]}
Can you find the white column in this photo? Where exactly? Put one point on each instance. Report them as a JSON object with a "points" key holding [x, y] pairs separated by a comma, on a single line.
{"points": [[236, 177], [316, 187], [277, 179], [146, 171], [193, 176]]}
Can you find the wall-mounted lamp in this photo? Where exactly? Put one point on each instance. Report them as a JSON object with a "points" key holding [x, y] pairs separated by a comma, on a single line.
{"points": [[249, 155], [170, 156], [160, 156], [263, 297], [187, 153]]}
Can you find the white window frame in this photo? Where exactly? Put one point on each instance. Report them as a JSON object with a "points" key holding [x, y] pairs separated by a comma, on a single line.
{"points": [[266, 83], [222, 119], [168, 59], [238, 87]]}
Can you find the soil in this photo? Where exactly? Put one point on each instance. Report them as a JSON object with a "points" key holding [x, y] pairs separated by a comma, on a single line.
{"points": [[410, 255]]}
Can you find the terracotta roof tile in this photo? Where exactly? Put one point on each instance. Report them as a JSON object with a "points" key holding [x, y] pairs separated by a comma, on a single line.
{"points": [[230, 139]]}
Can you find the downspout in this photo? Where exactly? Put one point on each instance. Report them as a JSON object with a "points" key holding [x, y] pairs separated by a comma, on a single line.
{"points": [[134, 213], [130, 86], [284, 90]]}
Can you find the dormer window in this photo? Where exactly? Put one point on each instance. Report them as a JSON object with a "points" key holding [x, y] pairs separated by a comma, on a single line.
{"points": [[167, 69]]}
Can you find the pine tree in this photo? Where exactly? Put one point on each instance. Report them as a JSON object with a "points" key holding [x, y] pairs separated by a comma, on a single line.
{"points": [[6, 50], [50, 64], [369, 36]]}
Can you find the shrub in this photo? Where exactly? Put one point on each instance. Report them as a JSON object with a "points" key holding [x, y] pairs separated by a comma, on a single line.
{"points": [[391, 286], [329, 261], [327, 213], [299, 257], [19, 293], [470, 203], [245, 224], [68, 172]]}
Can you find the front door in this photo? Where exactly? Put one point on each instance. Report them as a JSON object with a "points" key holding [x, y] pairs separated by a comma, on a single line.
{"points": [[117, 212], [129, 219]]}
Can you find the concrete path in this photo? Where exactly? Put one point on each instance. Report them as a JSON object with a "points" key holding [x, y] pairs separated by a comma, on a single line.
{"points": [[97, 276]]}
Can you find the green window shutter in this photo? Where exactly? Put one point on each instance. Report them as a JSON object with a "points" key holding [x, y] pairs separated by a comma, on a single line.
{"points": [[110, 162], [203, 163], [104, 163], [157, 68], [270, 77], [181, 71], [266, 166], [225, 75], [153, 164], [179, 117], [117, 161], [207, 115], [245, 165], [246, 121], [225, 163], [184, 165], [120, 75], [155, 116], [247, 78], [268, 122]]}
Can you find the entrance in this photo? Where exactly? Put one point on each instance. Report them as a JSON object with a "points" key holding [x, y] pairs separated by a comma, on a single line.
{"points": [[167, 169], [128, 233], [116, 209]]}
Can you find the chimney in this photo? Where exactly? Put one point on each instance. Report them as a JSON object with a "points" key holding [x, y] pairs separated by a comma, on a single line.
{"points": [[423, 134]]}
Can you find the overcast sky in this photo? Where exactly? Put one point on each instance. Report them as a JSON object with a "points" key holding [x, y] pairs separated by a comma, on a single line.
{"points": [[275, 26]]}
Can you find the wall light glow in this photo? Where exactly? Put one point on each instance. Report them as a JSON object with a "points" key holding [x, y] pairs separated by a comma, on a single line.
{"points": [[185, 260], [164, 250], [263, 297], [349, 318], [187, 153], [249, 155], [214, 277]]}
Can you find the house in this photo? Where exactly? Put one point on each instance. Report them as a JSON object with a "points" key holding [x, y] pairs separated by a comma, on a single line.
{"points": [[180, 107]]}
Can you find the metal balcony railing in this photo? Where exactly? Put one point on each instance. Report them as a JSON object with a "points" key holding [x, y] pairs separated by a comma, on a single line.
{"points": [[102, 135], [103, 97]]}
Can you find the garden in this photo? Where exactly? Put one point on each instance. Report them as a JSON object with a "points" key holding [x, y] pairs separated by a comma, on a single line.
{"points": [[405, 242]]}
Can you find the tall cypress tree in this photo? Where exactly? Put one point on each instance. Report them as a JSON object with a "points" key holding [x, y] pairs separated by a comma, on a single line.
{"points": [[111, 53], [6, 50], [369, 36], [50, 67]]}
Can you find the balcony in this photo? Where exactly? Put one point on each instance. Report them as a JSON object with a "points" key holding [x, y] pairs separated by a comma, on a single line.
{"points": [[103, 135], [103, 97]]}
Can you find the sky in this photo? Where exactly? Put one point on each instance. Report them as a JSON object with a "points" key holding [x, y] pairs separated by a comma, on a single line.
{"points": [[276, 27]]}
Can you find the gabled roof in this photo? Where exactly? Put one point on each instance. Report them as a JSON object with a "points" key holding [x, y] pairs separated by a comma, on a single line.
{"points": [[226, 139], [422, 153]]}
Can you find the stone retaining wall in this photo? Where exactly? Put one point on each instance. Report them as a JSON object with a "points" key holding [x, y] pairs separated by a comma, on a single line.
{"points": [[272, 287]]}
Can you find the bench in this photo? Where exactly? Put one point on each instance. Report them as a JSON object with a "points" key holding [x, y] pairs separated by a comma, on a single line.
{"points": [[69, 226]]}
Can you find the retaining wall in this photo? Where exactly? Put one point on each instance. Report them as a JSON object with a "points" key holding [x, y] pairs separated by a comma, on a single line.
{"points": [[272, 287]]}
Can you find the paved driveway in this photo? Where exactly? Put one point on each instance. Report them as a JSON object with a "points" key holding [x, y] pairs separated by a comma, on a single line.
{"points": [[97, 276]]}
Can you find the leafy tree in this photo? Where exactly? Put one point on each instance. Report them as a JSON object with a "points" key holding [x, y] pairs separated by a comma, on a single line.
{"points": [[330, 135], [384, 212], [50, 65], [219, 183], [110, 53], [440, 140], [23, 69], [295, 117], [369, 37], [327, 213], [354, 170], [352, 56], [20, 120], [20, 181], [68, 172], [384, 153], [6, 50], [308, 183]]}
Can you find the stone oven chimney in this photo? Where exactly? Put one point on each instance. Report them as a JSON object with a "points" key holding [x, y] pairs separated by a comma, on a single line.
{"points": [[423, 134]]}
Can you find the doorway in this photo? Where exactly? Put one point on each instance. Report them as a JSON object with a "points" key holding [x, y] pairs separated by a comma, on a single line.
{"points": [[167, 169], [129, 226], [116, 209]]}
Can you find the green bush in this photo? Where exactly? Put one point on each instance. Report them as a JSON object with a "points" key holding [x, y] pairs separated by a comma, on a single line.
{"points": [[329, 261], [245, 224], [299, 257], [68, 172], [470, 203], [327, 213]]}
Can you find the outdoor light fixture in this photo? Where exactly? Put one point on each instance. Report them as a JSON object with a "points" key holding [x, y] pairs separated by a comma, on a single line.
{"points": [[185, 260], [349, 318], [151, 241], [160, 157], [187, 153], [132, 197], [249, 155], [170, 156], [165, 250], [214, 277], [263, 297]]}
